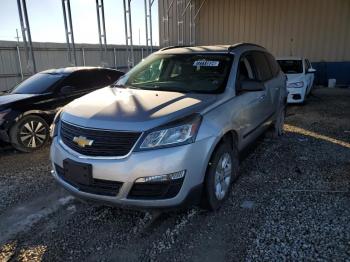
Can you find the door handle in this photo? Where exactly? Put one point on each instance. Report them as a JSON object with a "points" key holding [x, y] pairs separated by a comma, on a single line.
{"points": [[262, 97]]}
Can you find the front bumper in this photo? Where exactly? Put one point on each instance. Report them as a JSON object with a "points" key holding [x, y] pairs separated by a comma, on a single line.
{"points": [[296, 95], [192, 157]]}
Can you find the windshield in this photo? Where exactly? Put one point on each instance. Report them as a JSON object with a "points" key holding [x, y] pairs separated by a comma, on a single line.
{"points": [[197, 73], [37, 84], [291, 66]]}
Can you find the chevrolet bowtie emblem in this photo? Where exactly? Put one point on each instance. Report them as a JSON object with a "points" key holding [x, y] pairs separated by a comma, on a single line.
{"points": [[82, 141]]}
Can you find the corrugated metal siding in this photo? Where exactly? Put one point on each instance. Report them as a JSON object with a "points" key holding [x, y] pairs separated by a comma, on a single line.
{"points": [[54, 55], [318, 29]]}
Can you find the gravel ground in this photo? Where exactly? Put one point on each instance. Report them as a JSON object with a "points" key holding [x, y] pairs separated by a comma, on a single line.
{"points": [[291, 202]]}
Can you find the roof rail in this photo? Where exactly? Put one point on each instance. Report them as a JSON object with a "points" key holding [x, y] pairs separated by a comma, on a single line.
{"points": [[243, 44], [174, 46]]}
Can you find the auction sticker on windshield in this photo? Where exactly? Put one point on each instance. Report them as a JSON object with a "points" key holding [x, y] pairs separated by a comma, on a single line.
{"points": [[205, 63]]}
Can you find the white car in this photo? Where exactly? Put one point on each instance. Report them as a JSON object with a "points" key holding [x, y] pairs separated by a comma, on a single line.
{"points": [[300, 77]]}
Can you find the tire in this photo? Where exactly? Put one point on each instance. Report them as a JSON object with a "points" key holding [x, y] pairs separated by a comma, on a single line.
{"points": [[29, 133], [217, 185], [276, 129]]}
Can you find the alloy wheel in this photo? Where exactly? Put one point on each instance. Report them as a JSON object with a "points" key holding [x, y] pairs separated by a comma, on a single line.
{"points": [[33, 134], [223, 176]]}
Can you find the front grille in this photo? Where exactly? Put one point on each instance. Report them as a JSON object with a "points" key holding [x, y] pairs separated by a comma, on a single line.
{"points": [[105, 142], [98, 186], [155, 190]]}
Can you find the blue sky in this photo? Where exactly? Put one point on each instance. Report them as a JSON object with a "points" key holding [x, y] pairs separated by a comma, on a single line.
{"points": [[46, 21]]}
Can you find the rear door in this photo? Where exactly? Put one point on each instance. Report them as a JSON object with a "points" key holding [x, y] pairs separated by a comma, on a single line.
{"points": [[275, 83], [252, 104], [82, 82], [264, 75]]}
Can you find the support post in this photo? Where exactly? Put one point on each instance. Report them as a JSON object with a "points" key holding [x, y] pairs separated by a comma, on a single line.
{"points": [[166, 26], [148, 24], [115, 58], [19, 56], [28, 46], [188, 5], [194, 20], [68, 25], [128, 33], [83, 51], [180, 22], [102, 31], [192, 23]]}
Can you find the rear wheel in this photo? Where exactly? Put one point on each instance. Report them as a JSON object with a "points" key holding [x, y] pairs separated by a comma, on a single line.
{"points": [[29, 133], [221, 172]]}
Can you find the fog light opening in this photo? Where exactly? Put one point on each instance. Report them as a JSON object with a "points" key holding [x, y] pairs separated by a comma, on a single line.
{"points": [[297, 97], [162, 178]]}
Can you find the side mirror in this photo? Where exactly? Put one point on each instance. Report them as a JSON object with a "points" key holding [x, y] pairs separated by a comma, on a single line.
{"points": [[311, 70], [67, 90], [251, 86]]}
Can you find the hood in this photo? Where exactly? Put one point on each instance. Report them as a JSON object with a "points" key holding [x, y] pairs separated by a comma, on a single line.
{"points": [[292, 78], [132, 109], [7, 99]]}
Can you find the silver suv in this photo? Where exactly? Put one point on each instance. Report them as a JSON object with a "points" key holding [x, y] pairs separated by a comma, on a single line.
{"points": [[169, 132]]}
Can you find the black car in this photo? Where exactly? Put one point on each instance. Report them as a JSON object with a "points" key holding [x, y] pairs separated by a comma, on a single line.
{"points": [[27, 111]]}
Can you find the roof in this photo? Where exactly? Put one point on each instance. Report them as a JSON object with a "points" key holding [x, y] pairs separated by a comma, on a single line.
{"points": [[69, 70], [210, 48]]}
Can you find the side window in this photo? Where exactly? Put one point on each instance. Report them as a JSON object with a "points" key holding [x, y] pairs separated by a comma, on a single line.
{"points": [[262, 66], [176, 71], [245, 70], [87, 80], [108, 77], [113, 76], [150, 73], [275, 67]]}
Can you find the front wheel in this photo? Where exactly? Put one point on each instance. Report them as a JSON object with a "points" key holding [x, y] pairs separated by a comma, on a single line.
{"points": [[29, 133], [221, 172]]}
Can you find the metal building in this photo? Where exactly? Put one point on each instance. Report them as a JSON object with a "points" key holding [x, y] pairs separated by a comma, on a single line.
{"points": [[317, 29]]}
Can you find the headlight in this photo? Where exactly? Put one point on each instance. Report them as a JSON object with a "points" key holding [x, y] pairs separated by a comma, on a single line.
{"points": [[176, 133], [296, 85], [3, 114], [55, 124]]}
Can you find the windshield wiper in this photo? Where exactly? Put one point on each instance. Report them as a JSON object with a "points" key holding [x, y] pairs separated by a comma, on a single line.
{"points": [[118, 85], [125, 86]]}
